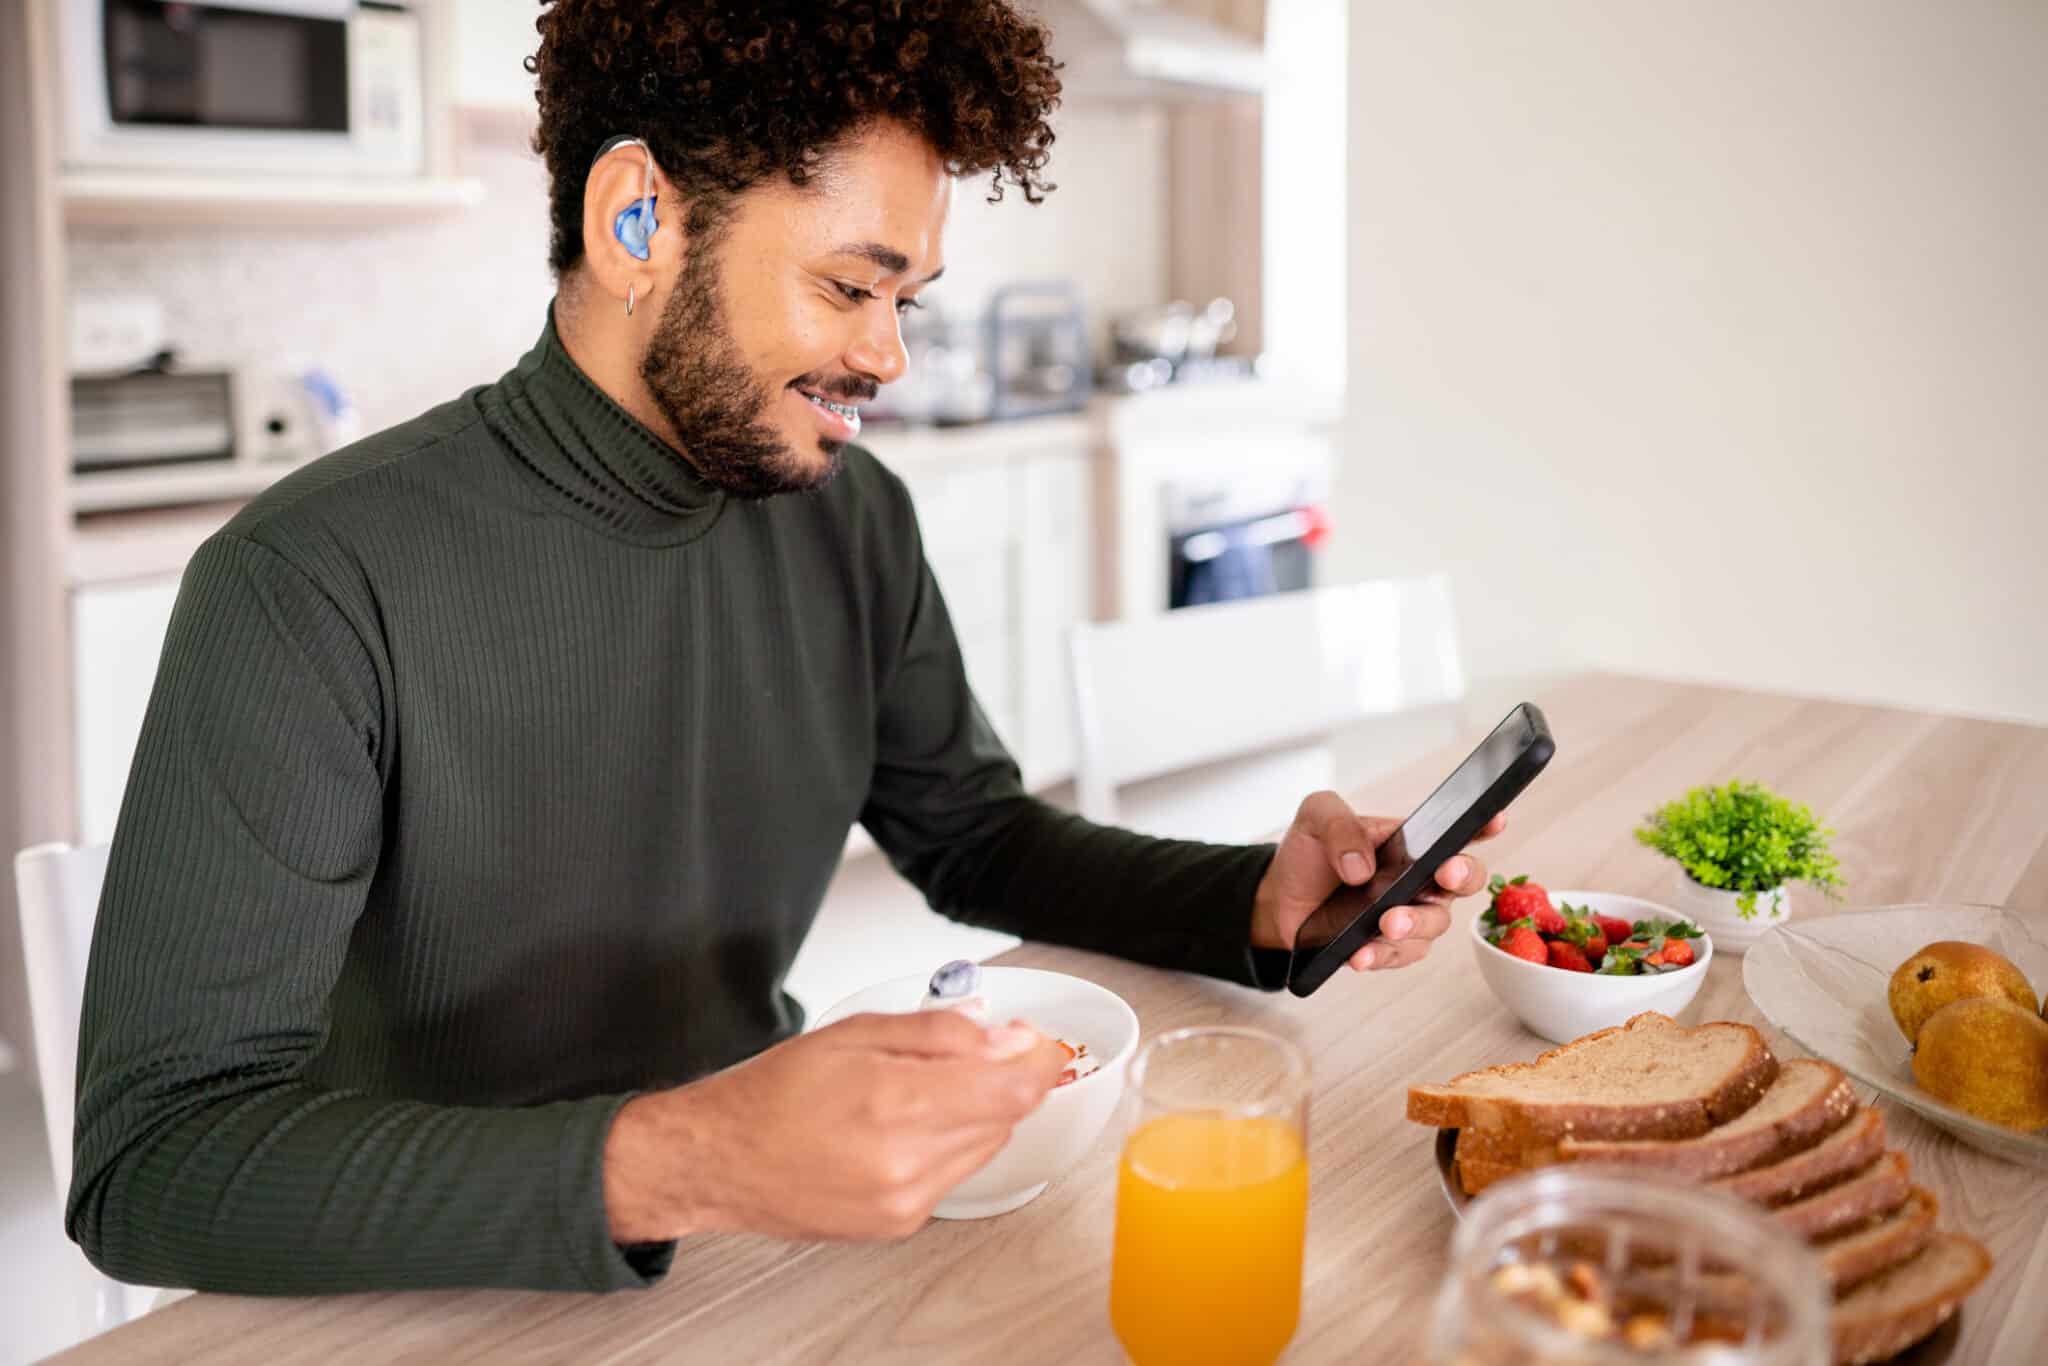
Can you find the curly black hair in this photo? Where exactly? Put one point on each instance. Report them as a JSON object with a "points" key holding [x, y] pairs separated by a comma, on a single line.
{"points": [[727, 94]]}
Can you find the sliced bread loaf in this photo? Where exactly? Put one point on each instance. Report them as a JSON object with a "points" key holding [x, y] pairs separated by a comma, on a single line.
{"points": [[1650, 1078], [1476, 1171], [1808, 1100], [1848, 1149], [1890, 1312], [1878, 1189], [1857, 1254]]}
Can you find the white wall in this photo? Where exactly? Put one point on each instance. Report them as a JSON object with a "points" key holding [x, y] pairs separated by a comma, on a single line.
{"points": [[1710, 339]]}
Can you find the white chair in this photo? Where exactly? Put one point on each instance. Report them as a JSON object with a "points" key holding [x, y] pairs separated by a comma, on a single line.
{"points": [[1227, 714], [58, 888]]}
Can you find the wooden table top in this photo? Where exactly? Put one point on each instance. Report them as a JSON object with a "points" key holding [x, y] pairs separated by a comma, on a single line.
{"points": [[1927, 808]]}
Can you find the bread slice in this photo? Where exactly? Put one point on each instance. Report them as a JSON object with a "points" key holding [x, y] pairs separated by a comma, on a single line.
{"points": [[1890, 1312], [1808, 1101], [1650, 1078], [1477, 1171], [1848, 1149], [1878, 1189], [1857, 1254]]}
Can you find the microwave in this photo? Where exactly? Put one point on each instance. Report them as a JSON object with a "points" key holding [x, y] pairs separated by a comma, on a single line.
{"points": [[304, 87]]}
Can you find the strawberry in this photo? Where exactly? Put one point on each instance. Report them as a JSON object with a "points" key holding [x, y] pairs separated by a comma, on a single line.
{"points": [[1614, 927], [1568, 956], [1622, 960], [1582, 927], [1520, 898], [1676, 953], [1524, 942]]}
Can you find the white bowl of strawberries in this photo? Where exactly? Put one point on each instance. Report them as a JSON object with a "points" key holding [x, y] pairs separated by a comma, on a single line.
{"points": [[1568, 963]]}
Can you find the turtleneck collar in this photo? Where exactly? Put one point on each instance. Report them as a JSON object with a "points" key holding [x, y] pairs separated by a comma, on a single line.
{"points": [[597, 460]]}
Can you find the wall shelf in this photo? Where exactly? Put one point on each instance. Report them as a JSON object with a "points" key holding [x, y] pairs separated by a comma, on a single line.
{"points": [[134, 198]]}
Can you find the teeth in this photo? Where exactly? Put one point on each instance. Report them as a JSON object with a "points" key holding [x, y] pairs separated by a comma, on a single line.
{"points": [[843, 409]]}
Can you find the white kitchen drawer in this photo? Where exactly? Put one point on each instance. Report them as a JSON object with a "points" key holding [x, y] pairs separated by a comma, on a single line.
{"points": [[1053, 492], [978, 587], [961, 508], [990, 659], [117, 633]]}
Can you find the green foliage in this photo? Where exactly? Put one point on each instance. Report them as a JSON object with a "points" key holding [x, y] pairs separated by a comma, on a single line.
{"points": [[1743, 838]]}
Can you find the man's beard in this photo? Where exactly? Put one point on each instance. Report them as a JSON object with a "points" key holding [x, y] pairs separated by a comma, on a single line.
{"points": [[712, 400]]}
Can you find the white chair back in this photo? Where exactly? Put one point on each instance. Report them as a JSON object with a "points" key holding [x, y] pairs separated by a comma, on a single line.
{"points": [[1253, 680], [58, 890]]}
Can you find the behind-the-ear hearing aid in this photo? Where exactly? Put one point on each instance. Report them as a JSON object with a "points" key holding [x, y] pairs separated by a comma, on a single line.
{"points": [[636, 222]]}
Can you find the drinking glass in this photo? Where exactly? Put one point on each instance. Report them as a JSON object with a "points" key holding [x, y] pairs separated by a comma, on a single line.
{"points": [[1211, 1200]]}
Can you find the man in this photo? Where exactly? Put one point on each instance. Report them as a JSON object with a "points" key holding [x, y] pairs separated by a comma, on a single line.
{"points": [[496, 765]]}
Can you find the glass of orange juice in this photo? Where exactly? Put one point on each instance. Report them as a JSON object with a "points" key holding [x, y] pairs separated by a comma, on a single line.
{"points": [[1211, 1199]]}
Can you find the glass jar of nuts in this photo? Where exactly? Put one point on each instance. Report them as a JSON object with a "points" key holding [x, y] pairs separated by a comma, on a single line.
{"points": [[1592, 1267]]}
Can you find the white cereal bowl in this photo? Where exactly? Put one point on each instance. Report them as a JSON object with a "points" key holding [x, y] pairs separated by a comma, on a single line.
{"points": [[1055, 1136], [1561, 1005]]}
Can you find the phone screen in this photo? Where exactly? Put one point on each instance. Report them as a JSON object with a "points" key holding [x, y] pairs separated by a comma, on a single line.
{"points": [[1430, 822]]}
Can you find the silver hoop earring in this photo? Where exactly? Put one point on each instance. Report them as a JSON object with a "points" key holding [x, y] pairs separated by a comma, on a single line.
{"points": [[629, 301]]}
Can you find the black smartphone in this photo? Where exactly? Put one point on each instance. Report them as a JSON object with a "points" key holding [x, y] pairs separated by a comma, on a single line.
{"points": [[1405, 865]]}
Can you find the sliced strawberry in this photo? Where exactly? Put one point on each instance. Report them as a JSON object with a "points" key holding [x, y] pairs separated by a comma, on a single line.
{"points": [[1568, 956], [1676, 953], [1525, 943], [1067, 1049]]}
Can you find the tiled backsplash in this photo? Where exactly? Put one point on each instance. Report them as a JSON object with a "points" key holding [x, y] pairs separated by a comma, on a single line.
{"points": [[408, 316]]}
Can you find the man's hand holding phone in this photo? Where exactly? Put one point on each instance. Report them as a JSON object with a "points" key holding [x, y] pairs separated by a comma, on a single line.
{"points": [[1329, 845]]}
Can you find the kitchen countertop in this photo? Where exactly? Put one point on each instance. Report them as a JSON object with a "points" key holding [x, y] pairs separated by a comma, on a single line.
{"points": [[114, 547], [901, 445], [1927, 807]]}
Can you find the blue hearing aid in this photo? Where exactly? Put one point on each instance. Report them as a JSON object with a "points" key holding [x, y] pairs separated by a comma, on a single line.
{"points": [[636, 222]]}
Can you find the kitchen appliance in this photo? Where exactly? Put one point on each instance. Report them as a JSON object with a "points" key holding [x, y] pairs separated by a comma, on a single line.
{"points": [[165, 436], [1251, 533], [1025, 356], [1037, 349], [328, 87], [1175, 344]]}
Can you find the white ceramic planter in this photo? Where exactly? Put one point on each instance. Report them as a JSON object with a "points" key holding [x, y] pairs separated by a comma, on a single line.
{"points": [[1715, 911]]}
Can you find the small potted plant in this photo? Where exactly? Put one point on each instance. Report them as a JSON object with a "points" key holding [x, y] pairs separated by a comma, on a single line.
{"points": [[1738, 848]]}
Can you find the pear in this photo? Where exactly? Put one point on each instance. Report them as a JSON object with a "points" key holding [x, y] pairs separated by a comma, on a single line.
{"points": [[1952, 971], [1989, 1057]]}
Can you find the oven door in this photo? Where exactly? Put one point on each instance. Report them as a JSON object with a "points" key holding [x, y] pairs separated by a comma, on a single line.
{"points": [[1273, 552], [310, 87]]}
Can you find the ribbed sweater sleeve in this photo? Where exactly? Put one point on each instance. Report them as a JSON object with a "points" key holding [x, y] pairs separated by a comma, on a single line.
{"points": [[248, 839], [949, 808]]}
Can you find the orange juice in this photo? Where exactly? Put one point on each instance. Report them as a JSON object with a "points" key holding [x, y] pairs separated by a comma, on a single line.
{"points": [[1211, 1215]]}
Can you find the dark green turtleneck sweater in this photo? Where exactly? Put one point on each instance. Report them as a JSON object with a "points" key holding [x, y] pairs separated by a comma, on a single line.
{"points": [[494, 771]]}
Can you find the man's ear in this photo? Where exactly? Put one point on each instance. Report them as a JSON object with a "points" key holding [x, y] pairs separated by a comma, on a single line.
{"points": [[615, 222]]}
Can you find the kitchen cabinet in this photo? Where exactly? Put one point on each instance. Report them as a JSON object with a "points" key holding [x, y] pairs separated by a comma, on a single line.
{"points": [[1009, 529], [117, 633]]}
